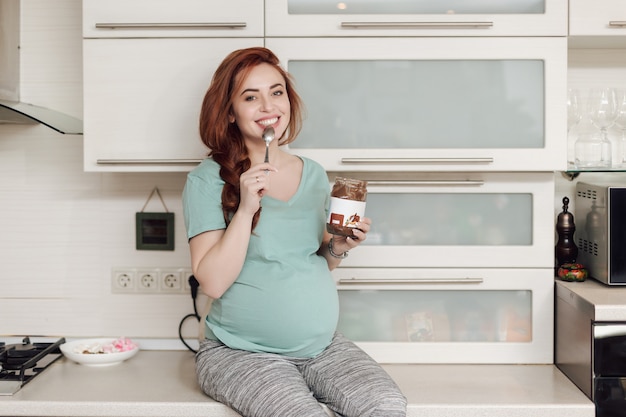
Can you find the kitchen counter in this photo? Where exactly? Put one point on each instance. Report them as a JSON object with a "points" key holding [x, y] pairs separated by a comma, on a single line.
{"points": [[162, 383], [598, 301]]}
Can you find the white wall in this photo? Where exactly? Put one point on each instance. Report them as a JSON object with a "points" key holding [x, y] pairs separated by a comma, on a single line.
{"points": [[61, 229]]}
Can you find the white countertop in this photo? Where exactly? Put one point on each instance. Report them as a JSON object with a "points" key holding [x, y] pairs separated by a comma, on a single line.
{"points": [[598, 301], [162, 383]]}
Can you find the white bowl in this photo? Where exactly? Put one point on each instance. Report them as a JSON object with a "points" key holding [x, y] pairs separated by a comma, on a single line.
{"points": [[69, 349]]}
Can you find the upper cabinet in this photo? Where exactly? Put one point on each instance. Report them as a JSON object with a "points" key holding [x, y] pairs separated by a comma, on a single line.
{"points": [[416, 18], [597, 18], [172, 19], [596, 59], [435, 85], [430, 104], [146, 68], [142, 101]]}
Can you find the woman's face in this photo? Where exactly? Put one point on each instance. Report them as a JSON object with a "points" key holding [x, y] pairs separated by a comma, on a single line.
{"points": [[261, 101]]}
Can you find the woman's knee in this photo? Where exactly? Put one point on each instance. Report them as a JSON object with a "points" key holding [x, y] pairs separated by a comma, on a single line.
{"points": [[391, 405]]}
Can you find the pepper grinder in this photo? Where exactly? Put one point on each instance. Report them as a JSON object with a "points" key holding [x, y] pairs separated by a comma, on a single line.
{"points": [[566, 250]]}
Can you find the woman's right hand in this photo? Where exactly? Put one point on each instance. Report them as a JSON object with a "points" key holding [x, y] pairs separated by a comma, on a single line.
{"points": [[253, 184]]}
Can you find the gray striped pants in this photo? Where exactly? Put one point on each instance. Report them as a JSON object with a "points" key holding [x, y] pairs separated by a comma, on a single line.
{"points": [[254, 384]]}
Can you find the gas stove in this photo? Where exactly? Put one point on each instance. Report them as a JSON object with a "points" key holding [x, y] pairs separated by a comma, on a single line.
{"points": [[22, 362]]}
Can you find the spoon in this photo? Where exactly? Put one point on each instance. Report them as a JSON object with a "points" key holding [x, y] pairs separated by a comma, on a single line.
{"points": [[268, 136]]}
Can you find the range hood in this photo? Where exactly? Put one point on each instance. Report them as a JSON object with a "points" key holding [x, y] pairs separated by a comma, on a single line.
{"points": [[24, 113], [12, 110]]}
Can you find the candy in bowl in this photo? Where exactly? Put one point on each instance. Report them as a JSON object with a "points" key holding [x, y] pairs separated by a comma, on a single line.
{"points": [[100, 352]]}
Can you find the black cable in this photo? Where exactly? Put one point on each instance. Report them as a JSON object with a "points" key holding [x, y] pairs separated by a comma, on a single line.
{"points": [[194, 284]]}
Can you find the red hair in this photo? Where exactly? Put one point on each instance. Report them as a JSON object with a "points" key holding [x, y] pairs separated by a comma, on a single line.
{"points": [[224, 139]]}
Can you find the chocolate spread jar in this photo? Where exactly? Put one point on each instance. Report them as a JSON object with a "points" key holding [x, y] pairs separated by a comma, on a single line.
{"points": [[347, 206]]}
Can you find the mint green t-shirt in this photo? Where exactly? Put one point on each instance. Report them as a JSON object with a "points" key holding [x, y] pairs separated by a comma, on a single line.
{"points": [[284, 300]]}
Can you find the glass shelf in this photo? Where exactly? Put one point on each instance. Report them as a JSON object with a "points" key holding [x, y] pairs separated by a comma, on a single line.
{"points": [[572, 174]]}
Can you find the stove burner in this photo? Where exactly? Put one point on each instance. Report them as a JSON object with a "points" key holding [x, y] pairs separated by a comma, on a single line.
{"points": [[20, 363], [20, 354]]}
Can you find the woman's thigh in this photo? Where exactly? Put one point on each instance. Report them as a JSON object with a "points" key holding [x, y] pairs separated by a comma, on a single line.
{"points": [[254, 384], [351, 383]]}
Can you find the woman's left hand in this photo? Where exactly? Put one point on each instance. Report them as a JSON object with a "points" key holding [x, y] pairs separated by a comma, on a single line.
{"points": [[343, 244]]}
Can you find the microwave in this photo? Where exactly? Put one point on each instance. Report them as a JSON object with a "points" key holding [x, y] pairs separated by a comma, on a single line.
{"points": [[601, 231]]}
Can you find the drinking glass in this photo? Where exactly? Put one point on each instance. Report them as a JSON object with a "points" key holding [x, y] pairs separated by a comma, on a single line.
{"points": [[620, 121], [592, 151], [574, 115], [574, 111], [602, 110]]}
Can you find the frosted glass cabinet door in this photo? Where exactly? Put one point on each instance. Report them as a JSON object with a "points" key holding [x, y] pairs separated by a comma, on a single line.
{"points": [[416, 18], [430, 104], [478, 220], [449, 316]]}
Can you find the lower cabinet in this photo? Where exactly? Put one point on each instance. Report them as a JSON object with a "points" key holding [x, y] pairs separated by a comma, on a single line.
{"points": [[590, 342], [442, 315], [457, 220], [456, 268]]}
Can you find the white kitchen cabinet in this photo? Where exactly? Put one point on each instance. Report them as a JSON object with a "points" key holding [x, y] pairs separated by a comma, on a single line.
{"points": [[172, 18], [449, 315], [411, 18], [430, 104], [457, 220], [147, 65], [597, 18], [142, 100]]}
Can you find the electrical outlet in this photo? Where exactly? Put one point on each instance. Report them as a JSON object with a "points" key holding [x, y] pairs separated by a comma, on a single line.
{"points": [[147, 280], [171, 280], [123, 280]]}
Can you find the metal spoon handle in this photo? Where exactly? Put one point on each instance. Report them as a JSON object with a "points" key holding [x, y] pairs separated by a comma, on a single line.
{"points": [[268, 136]]}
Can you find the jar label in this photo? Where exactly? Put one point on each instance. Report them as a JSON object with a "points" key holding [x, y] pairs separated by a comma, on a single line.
{"points": [[345, 213]]}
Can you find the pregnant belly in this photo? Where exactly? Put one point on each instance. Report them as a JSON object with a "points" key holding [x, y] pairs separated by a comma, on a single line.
{"points": [[284, 319]]}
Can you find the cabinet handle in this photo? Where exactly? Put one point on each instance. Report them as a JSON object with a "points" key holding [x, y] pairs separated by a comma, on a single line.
{"points": [[148, 161], [233, 25], [422, 281], [416, 25], [421, 183], [416, 160], [617, 23]]}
